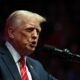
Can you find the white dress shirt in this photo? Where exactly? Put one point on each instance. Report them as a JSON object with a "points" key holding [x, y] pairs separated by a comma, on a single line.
{"points": [[16, 58]]}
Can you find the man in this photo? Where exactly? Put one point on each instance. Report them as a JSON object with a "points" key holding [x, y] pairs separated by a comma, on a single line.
{"points": [[21, 33]]}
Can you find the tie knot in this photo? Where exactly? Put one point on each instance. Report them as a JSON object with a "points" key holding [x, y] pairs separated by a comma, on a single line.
{"points": [[22, 60]]}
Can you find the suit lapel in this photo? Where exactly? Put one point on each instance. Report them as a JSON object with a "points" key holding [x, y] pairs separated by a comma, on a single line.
{"points": [[7, 58], [32, 70]]}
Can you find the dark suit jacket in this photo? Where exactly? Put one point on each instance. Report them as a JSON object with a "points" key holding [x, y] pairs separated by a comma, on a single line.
{"points": [[9, 71]]}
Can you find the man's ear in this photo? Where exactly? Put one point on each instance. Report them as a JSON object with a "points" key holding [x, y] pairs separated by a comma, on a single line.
{"points": [[11, 32]]}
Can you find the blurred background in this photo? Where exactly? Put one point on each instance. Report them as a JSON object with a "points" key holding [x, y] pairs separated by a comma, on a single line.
{"points": [[61, 31]]}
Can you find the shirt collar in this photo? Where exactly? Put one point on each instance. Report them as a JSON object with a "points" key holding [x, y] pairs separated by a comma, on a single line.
{"points": [[13, 52]]}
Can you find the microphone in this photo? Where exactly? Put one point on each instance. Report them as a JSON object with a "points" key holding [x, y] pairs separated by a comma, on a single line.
{"points": [[63, 53], [51, 48]]}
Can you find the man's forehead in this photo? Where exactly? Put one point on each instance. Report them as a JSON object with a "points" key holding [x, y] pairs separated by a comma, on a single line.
{"points": [[33, 26]]}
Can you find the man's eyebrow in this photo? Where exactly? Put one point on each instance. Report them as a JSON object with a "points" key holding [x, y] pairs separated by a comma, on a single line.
{"points": [[39, 28]]}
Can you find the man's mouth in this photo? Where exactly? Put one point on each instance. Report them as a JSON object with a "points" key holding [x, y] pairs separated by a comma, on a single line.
{"points": [[33, 44]]}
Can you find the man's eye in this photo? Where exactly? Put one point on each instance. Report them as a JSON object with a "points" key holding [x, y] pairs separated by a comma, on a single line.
{"points": [[29, 29]]}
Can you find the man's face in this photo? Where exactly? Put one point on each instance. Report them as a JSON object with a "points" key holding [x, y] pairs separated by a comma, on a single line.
{"points": [[26, 36]]}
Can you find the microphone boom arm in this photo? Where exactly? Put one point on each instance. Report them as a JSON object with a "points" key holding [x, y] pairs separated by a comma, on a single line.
{"points": [[63, 53]]}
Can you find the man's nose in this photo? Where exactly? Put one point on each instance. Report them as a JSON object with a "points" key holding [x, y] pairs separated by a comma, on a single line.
{"points": [[35, 34]]}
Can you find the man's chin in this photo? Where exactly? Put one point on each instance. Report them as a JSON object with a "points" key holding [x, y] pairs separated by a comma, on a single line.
{"points": [[30, 51]]}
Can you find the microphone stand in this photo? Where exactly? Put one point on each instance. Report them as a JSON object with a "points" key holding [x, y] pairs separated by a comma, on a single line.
{"points": [[72, 56], [65, 53]]}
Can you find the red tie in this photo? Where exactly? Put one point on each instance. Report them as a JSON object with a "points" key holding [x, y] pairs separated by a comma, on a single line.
{"points": [[23, 71]]}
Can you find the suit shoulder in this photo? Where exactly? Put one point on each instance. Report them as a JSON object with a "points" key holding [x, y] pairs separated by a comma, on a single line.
{"points": [[34, 61], [39, 69]]}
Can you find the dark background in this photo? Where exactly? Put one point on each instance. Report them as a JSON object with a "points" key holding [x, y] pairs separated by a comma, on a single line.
{"points": [[61, 30]]}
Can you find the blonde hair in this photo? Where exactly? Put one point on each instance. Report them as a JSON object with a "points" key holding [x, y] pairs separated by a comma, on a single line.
{"points": [[17, 16]]}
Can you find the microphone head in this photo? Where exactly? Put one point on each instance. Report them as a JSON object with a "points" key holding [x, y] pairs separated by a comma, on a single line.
{"points": [[51, 48], [48, 47]]}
